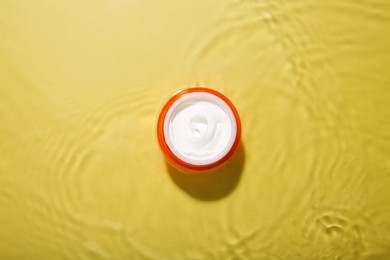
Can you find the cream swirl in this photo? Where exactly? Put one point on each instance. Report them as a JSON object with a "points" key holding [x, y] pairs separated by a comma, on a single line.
{"points": [[200, 128]]}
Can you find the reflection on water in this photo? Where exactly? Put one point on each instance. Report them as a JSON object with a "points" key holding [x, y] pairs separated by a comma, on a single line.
{"points": [[81, 86]]}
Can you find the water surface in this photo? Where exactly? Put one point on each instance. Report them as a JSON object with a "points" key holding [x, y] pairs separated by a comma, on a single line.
{"points": [[81, 86]]}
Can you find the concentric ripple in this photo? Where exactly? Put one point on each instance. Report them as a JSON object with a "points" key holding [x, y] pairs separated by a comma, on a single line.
{"points": [[82, 84]]}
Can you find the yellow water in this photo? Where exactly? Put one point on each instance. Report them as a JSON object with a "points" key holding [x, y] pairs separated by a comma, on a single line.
{"points": [[81, 86]]}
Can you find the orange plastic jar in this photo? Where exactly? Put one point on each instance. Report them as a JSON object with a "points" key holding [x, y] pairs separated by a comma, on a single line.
{"points": [[198, 129]]}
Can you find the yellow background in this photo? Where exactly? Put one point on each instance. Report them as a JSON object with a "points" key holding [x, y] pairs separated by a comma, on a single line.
{"points": [[81, 86]]}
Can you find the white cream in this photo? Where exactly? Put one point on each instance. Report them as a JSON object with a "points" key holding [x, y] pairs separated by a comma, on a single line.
{"points": [[200, 128]]}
